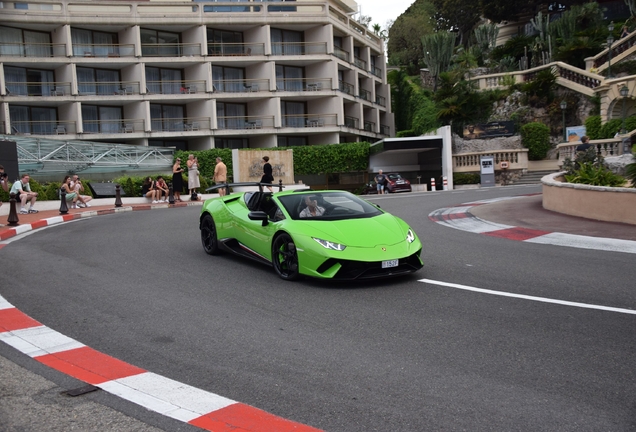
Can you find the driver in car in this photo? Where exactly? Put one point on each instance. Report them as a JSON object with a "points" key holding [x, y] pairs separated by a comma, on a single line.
{"points": [[312, 208]]}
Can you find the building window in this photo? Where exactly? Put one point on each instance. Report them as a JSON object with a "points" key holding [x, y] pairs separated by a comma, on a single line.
{"points": [[292, 141], [231, 115], [293, 113], [97, 81], [223, 42], [179, 145], [289, 78], [101, 119], [228, 79], [286, 42], [163, 81], [28, 82], [159, 43], [24, 43], [231, 143], [33, 120], [89, 43], [167, 118]]}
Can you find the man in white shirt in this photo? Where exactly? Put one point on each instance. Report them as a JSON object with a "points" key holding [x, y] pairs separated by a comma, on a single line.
{"points": [[22, 191], [312, 209]]}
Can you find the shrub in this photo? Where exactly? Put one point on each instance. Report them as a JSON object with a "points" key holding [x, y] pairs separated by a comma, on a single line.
{"points": [[609, 129], [536, 138], [630, 173], [466, 178], [593, 127], [406, 133], [590, 174]]}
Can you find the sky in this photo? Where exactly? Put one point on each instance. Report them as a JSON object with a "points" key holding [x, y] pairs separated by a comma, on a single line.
{"points": [[383, 10]]}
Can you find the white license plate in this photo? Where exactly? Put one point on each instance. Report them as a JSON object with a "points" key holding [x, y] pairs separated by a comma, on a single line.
{"points": [[400, 182], [390, 263]]}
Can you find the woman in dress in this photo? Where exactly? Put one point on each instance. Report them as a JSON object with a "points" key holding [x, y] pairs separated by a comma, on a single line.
{"points": [[267, 173], [148, 189], [193, 174], [177, 179]]}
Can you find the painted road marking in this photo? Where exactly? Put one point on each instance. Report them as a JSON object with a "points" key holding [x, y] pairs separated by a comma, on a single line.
{"points": [[527, 297]]}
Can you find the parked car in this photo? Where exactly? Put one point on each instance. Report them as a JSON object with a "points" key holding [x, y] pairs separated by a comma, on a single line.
{"points": [[395, 183], [345, 238]]}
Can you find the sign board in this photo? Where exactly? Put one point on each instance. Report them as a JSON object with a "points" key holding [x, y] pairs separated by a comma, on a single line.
{"points": [[489, 130], [574, 133], [487, 164], [504, 165]]}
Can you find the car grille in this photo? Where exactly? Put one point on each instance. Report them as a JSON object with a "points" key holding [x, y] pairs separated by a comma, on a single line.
{"points": [[371, 270]]}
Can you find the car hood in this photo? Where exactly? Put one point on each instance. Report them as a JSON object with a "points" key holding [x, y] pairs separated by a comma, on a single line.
{"points": [[384, 229]]}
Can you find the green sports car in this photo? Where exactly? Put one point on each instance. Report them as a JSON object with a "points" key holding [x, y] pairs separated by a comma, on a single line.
{"points": [[322, 234]]}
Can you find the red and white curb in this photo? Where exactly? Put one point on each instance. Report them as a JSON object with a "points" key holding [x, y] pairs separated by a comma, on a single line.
{"points": [[460, 218], [154, 392]]}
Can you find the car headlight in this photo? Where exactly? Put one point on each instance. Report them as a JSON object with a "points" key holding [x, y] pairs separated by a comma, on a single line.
{"points": [[410, 236], [330, 245]]}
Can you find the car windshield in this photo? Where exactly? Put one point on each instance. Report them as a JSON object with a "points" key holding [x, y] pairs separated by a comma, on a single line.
{"points": [[335, 205], [394, 176]]}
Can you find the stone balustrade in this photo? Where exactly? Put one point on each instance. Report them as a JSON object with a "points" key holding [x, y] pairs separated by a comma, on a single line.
{"points": [[470, 162]]}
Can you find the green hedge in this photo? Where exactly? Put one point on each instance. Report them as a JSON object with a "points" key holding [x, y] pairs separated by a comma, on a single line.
{"points": [[466, 178], [132, 185], [593, 127], [536, 138]]}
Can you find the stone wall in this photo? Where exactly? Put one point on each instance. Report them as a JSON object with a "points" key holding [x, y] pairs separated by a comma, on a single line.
{"points": [[461, 145]]}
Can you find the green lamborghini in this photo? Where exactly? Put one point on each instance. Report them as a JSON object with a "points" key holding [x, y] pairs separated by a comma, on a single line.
{"points": [[321, 234]]}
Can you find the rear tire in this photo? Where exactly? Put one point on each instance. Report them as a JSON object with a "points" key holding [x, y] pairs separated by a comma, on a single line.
{"points": [[285, 257], [209, 238]]}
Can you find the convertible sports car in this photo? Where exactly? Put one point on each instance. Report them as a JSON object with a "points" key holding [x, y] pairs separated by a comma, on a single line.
{"points": [[322, 234]]}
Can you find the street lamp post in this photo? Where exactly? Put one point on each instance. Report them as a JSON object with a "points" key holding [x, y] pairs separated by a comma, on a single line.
{"points": [[610, 41], [624, 91], [564, 105]]}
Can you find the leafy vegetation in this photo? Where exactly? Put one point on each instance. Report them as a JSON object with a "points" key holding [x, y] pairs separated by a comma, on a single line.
{"points": [[595, 175], [466, 178], [536, 138]]}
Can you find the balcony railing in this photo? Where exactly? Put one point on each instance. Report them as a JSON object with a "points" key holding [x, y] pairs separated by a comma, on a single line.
{"points": [[185, 124], [171, 50], [309, 120], [235, 49], [103, 50], [175, 87], [37, 88], [369, 126], [351, 122], [299, 48], [303, 84], [32, 50], [345, 87], [360, 63], [240, 85], [106, 88], [385, 130], [365, 94], [380, 100], [376, 71], [113, 126], [340, 53], [245, 122], [43, 127]]}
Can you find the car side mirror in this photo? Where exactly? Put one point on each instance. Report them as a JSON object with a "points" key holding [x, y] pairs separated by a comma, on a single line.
{"points": [[258, 216]]}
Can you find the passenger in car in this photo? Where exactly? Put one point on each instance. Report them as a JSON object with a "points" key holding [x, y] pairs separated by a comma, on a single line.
{"points": [[312, 209]]}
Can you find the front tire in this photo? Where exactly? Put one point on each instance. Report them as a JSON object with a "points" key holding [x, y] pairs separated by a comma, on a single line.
{"points": [[209, 238], [285, 257]]}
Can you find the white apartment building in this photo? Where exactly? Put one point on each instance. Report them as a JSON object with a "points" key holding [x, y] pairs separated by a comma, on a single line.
{"points": [[192, 75]]}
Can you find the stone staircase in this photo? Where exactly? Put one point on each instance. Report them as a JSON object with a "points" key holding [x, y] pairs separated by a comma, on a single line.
{"points": [[532, 177]]}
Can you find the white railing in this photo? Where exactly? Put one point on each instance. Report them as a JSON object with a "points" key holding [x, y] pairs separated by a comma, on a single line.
{"points": [[471, 162]]}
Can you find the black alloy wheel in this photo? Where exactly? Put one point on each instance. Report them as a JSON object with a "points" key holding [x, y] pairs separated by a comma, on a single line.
{"points": [[209, 238], [284, 257]]}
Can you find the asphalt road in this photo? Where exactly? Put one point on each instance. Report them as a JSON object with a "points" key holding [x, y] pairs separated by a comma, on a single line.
{"points": [[397, 355]]}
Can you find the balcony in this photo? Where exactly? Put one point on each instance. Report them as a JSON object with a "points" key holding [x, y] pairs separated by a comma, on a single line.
{"points": [[376, 71], [235, 49], [385, 130], [103, 50], [351, 122], [175, 87], [380, 100], [108, 88], [43, 127], [118, 126], [171, 50], [244, 122], [32, 50], [299, 48], [38, 88], [364, 94], [303, 84], [345, 87], [360, 63], [240, 85], [340, 53], [369, 126], [309, 120], [186, 124]]}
